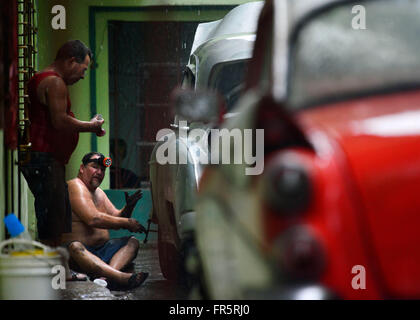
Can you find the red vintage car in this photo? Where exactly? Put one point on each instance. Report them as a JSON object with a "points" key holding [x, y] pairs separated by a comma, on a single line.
{"points": [[335, 213]]}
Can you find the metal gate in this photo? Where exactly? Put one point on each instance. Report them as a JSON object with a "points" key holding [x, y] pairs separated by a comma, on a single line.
{"points": [[26, 67], [27, 30]]}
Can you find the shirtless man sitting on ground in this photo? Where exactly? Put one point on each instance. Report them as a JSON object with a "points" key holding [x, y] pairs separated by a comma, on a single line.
{"points": [[91, 250]]}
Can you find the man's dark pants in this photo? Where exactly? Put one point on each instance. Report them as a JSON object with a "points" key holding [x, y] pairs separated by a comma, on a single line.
{"points": [[46, 180]]}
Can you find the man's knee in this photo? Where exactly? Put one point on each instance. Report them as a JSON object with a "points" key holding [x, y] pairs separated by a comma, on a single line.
{"points": [[76, 247], [133, 243]]}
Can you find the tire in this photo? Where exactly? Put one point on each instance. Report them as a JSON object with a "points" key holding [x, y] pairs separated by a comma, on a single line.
{"points": [[169, 255], [169, 259]]}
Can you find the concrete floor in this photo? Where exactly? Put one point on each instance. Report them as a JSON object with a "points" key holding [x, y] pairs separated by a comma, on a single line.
{"points": [[156, 287]]}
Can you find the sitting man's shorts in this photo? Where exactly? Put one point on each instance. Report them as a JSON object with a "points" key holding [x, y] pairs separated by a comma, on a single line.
{"points": [[46, 180], [106, 251]]}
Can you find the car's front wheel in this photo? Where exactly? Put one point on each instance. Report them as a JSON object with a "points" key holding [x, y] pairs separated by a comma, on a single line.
{"points": [[169, 243], [169, 259]]}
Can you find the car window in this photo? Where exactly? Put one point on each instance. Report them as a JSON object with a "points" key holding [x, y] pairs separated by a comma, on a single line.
{"points": [[334, 58], [228, 80]]}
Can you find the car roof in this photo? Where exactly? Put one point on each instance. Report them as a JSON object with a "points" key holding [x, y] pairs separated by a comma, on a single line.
{"points": [[235, 48], [229, 39], [241, 19]]}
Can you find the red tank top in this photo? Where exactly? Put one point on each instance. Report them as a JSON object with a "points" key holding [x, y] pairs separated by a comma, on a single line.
{"points": [[44, 137]]}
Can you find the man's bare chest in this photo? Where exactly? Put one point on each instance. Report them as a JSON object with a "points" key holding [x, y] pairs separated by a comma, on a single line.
{"points": [[99, 204]]}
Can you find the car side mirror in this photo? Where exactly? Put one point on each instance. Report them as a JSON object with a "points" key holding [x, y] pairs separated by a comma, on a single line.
{"points": [[197, 105]]}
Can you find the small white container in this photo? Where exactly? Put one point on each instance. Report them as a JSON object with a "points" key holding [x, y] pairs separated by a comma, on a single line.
{"points": [[100, 282]]}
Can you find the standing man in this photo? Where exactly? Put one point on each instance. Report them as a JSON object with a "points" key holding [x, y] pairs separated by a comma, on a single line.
{"points": [[91, 249], [54, 133]]}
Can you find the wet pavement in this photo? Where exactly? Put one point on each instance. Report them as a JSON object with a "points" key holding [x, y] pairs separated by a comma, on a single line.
{"points": [[156, 287]]}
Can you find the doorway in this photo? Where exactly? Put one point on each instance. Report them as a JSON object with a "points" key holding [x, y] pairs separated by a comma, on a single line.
{"points": [[146, 61]]}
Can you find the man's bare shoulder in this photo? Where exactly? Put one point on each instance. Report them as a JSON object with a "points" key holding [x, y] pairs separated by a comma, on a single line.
{"points": [[101, 192], [74, 181], [52, 84], [77, 185]]}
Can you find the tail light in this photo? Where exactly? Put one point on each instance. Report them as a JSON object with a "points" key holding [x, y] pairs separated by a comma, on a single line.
{"points": [[287, 189], [300, 254]]}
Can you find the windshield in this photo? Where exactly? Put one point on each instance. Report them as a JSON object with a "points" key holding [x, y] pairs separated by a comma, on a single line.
{"points": [[228, 80], [351, 50]]}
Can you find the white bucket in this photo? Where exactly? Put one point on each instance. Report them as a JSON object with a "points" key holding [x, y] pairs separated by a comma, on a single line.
{"points": [[28, 275]]}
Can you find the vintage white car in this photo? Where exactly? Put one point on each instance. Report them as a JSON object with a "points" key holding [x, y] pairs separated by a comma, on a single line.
{"points": [[218, 61]]}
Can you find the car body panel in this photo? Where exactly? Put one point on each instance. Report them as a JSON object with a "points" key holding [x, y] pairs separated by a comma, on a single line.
{"points": [[380, 138], [362, 156], [229, 231], [178, 182]]}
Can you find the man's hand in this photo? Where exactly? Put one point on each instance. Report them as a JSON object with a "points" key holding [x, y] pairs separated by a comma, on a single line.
{"points": [[135, 226], [101, 133], [131, 202], [97, 122]]}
